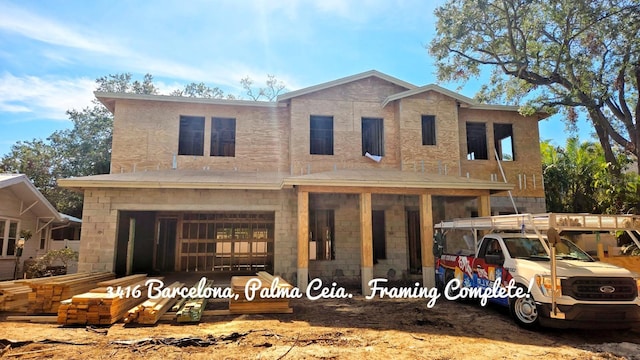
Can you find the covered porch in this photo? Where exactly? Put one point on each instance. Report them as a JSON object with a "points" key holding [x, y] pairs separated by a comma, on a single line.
{"points": [[366, 183]]}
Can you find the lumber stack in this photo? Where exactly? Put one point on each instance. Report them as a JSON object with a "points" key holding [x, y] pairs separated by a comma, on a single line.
{"points": [[47, 293], [150, 311], [260, 305], [101, 306], [14, 296], [191, 309]]}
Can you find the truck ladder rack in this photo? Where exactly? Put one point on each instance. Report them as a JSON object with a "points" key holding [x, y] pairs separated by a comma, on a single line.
{"points": [[542, 222]]}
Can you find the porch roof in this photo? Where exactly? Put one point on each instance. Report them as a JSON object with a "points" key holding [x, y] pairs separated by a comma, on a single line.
{"points": [[179, 179], [350, 179], [393, 179]]}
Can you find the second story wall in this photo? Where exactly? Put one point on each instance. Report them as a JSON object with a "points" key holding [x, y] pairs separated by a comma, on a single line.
{"points": [[147, 137], [338, 112], [429, 133], [516, 140]]}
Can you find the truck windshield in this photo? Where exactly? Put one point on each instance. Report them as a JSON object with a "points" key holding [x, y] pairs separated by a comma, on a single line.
{"points": [[532, 248]]}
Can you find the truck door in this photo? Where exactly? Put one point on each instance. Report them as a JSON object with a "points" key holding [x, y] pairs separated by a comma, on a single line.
{"points": [[489, 263]]}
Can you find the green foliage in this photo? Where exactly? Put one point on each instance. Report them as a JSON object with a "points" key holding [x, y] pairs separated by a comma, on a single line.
{"points": [[578, 179], [580, 56], [39, 267]]}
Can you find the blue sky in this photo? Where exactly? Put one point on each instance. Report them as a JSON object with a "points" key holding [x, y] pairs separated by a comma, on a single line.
{"points": [[52, 51]]}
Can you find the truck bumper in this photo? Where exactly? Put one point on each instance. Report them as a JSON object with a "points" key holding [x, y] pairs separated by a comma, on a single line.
{"points": [[589, 316]]}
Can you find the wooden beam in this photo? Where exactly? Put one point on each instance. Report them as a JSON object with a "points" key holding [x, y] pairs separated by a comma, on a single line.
{"points": [[484, 205], [391, 190], [303, 240], [366, 242], [426, 241]]}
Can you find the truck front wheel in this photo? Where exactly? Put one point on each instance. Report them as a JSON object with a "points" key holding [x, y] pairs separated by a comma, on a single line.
{"points": [[524, 311]]}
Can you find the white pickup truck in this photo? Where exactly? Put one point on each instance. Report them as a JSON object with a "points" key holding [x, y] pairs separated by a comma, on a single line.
{"points": [[586, 294]]}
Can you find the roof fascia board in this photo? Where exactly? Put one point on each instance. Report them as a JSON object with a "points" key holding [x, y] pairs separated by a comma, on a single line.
{"points": [[106, 97], [345, 80], [22, 179]]}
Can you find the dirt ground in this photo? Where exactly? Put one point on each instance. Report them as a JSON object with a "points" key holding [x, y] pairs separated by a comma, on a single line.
{"points": [[325, 329]]}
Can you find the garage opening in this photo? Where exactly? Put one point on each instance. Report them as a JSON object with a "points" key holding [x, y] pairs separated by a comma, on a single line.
{"points": [[226, 241]]}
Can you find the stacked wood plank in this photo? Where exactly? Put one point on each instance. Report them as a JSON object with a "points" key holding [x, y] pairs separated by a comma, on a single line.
{"points": [[43, 295], [48, 292], [101, 306], [259, 305], [191, 309], [150, 311], [14, 296]]}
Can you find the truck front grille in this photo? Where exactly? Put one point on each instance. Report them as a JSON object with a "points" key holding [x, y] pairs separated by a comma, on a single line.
{"points": [[600, 288]]}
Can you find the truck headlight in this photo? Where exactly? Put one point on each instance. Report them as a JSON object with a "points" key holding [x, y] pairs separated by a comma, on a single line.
{"points": [[544, 284]]}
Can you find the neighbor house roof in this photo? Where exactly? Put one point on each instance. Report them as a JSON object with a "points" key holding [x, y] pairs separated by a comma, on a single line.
{"points": [[346, 80], [32, 199], [203, 179]]}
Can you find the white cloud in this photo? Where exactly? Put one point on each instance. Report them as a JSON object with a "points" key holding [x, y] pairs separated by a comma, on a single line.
{"points": [[48, 98], [33, 26]]}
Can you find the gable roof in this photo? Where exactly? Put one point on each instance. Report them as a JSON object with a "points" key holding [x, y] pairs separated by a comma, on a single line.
{"points": [[32, 198], [471, 103], [346, 80]]}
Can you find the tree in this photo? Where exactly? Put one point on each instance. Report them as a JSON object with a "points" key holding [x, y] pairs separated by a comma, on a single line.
{"points": [[270, 92], [575, 56], [576, 179]]}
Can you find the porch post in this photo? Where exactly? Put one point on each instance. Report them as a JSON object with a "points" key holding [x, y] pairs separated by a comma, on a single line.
{"points": [[484, 205], [426, 241], [303, 240], [366, 243]]}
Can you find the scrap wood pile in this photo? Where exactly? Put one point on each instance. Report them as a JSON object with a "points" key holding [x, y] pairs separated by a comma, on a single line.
{"points": [[43, 295], [150, 311], [101, 306], [259, 305]]}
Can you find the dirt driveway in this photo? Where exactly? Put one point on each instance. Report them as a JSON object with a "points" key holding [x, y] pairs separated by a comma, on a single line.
{"points": [[327, 329]]}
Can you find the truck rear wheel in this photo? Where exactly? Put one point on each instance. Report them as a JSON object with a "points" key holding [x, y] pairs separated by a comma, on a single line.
{"points": [[524, 311], [448, 276]]}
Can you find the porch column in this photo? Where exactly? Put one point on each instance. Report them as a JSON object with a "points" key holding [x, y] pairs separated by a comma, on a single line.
{"points": [[303, 240], [484, 205], [426, 241], [366, 243]]}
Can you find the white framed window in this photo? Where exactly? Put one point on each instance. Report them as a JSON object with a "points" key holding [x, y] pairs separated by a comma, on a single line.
{"points": [[8, 236]]}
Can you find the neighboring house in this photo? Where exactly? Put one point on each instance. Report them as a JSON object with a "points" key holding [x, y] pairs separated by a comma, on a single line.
{"points": [[341, 180], [23, 207]]}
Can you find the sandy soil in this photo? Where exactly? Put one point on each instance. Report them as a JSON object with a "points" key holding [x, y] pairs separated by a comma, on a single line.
{"points": [[326, 329]]}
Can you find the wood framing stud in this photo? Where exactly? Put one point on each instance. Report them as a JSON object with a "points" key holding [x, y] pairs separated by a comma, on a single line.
{"points": [[426, 240], [303, 240], [366, 242]]}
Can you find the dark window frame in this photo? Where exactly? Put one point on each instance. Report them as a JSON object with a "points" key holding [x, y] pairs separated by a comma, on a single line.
{"points": [[372, 136], [191, 135], [223, 137], [477, 148], [502, 131], [321, 135], [322, 232], [428, 130]]}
